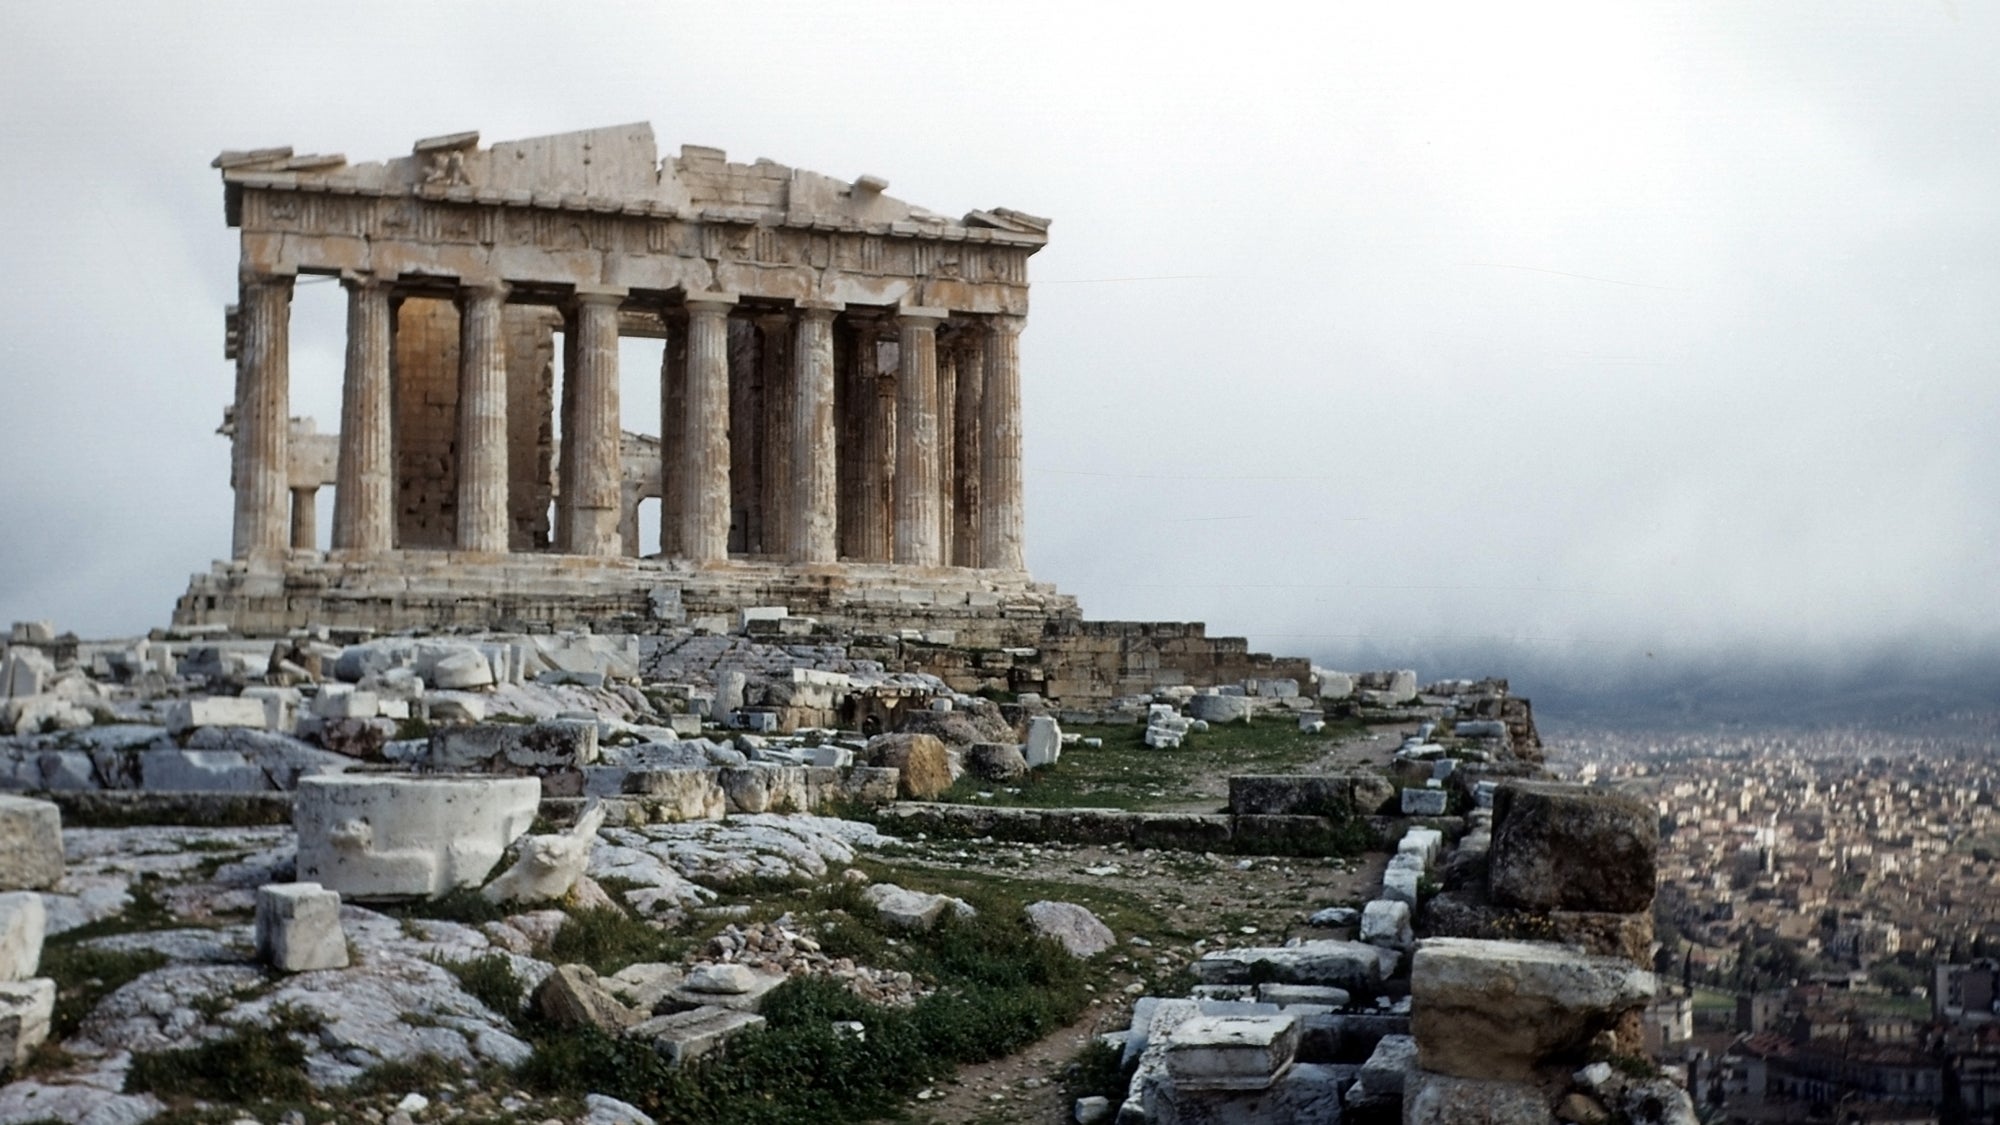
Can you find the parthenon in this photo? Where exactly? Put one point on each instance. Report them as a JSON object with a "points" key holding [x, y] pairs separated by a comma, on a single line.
{"points": [[839, 387]]}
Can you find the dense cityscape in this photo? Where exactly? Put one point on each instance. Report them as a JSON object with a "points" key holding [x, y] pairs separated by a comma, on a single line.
{"points": [[1829, 904]]}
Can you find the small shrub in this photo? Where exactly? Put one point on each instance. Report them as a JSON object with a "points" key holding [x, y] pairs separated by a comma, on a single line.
{"points": [[464, 905], [608, 939], [248, 1064], [85, 976], [491, 980], [1097, 1071], [400, 1076]]}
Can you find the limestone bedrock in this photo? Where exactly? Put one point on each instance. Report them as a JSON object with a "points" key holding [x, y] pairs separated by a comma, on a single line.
{"points": [[379, 837]]}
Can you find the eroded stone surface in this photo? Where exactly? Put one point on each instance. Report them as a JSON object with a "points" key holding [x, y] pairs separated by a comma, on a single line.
{"points": [[1497, 1009]]}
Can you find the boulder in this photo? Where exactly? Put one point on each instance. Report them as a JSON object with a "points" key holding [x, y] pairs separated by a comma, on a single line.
{"points": [[726, 979], [923, 768], [1387, 922], [573, 996], [31, 851], [1569, 847], [298, 928], [1498, 1009], [911, 910], [1440, 1099], [1079, 931]]}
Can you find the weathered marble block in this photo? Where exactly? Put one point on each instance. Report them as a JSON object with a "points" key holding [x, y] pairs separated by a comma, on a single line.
{"points": [[31, 853], [25, 1010], [1044, 742], [216, 711], [1423, 802], [1569, 847], [1351, 965], [388, 837], [298, 928], [1498, 1009], [23, 922], [1386, 922], [684, 1036], [1246, 1052]]}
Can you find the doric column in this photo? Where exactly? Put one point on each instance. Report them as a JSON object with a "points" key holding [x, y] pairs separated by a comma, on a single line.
{"points": [[482, 419], [673, 431], [1000, 546], [875, 467], [305, 518], [947, 437], [364, 501], [812, 514], [263, 400], [774, 437], [591, 447], [704, 500], [917, 439], [966, 420]]}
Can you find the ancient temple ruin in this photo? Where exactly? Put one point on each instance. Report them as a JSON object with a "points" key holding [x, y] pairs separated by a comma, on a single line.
{"points": [[839, 393]]}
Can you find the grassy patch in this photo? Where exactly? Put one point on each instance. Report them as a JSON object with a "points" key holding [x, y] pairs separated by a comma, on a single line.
{"points": [[247, 1065], [998, 986], [1125, 773], [491, 980], [609, 939], [145, 911], [85, 976], [464, 905]]}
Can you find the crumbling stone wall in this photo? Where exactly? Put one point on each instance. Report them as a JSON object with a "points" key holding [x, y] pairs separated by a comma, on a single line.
{"points": [[1097, 661]]}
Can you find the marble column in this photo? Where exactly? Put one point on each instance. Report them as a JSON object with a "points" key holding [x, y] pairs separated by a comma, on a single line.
{"points": [[774, 438], [1000, 545], [916, 486], [305, 518], [592, 446], [364, 500], [966, 420], [947, 439], [263, 403], [875, 467], [813, 511], [704, 483], [673, 431], [482, 419]]}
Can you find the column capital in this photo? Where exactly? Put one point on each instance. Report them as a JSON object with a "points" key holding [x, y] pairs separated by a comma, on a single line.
{"points": [[819, 304], [248, 277], [613, 295], [709, 302], [491, 289], [365, 280], [1011, 325], [923, 315]]}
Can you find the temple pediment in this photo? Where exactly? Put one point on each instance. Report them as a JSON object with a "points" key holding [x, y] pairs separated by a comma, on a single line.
{"points": [[618, 169]]}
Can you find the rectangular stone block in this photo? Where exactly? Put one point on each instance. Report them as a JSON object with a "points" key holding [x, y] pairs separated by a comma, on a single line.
{"points": [[216, 711], [1423, 802], [298, 928], [23, 922], [31, 853], [1246, 1052], [688, 1035]]}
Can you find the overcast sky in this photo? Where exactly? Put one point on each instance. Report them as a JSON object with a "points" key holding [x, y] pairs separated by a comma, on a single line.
{"points": [[1591, 331]]}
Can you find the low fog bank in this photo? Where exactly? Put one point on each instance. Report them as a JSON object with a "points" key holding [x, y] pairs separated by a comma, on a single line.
{"points": [[1928, 683]]}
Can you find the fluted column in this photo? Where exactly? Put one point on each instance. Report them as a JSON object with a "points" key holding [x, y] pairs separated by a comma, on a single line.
{"points": [[966, 420], [364, 501], [704, 502], [592, 448], [947, 436], [1000, 545], [673, 432], [875, 467], [774, 438], [917, 439], [812, 515], [263, 403], [305, 518], [482, 419]]}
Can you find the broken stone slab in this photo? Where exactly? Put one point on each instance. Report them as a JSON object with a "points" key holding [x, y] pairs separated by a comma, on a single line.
{"points": [[298, 928], [1424, 802], [725, 979], [602, 1110], [924, 767], [1079, 931], [460, 670], [23, 924], [1498, 1009], [683, 1036], [679, 794], [647, 983], [1569, 847], [1386, 922], [573, 996], [1232, 1052], [31, 851], [339, 701], [1312, 995], [1334, 916], [742, 991], [215, 711], [1442, 1099], [996, 761], [1351, 965], [25, 1010], [550, 744], [1044, 744], [1424, 843], [388, 837]]}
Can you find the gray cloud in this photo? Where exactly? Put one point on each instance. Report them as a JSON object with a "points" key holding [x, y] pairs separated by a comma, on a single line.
{"points": [[1582, 331]]}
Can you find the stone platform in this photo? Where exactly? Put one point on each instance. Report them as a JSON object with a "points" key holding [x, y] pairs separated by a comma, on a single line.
{"points": [[441, 590]]}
